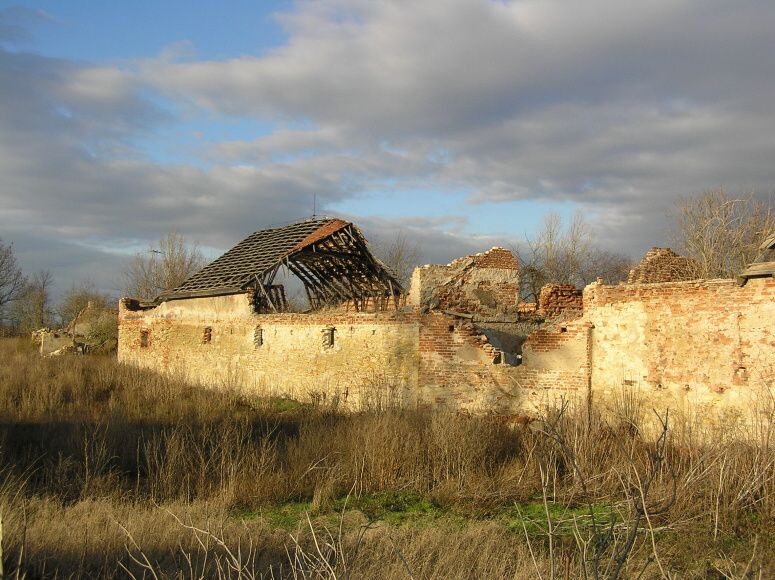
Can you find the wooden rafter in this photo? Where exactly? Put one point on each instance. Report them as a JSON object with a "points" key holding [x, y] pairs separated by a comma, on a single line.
{"points": [[329, 256]]}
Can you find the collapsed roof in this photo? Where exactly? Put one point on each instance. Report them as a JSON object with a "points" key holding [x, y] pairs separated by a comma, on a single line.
{"points": [[763, 265], [329, 256]]}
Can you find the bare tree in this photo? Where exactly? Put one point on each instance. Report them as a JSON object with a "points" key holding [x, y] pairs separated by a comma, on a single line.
{"points": [[723, 233], [612, 267], [401, 256], [77, 298], [162, 268], [89, 315], [12, 280], [567, 255], [32, 309]]}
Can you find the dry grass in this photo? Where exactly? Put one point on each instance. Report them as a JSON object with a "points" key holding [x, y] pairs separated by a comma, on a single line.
{"points": [[108, 470]]}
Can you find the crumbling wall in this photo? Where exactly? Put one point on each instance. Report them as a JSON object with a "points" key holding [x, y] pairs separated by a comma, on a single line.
{"points": [[403, 357], [480, 291], [372, 359], [53, 342], [461, 370], [706, 342], [482, 285], [560, 300], [663, 265], [555, 363]]}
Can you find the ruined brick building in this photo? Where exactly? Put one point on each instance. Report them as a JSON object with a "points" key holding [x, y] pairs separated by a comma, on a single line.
{"points": [[459, 337]]}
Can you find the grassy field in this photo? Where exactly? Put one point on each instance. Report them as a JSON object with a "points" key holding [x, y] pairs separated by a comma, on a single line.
{"points": [[111, 471]]}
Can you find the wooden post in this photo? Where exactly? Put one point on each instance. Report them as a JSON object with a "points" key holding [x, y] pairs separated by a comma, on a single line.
{"points": [[266, 294]]}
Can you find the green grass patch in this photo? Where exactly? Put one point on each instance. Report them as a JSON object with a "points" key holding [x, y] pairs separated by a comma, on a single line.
{"points": [[286, 405], [391, 507], [535, 517], [399, 508], [286, 516]]}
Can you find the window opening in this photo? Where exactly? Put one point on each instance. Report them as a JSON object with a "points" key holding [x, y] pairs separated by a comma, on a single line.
{"points": [[207, 335], [145, 336], [258, 337], [329, 336]]}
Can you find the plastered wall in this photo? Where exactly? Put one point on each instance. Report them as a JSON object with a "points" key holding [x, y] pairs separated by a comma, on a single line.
{"points": [[373, 357], [708, 343], [704, 345], [384, 358], [482, 285]]}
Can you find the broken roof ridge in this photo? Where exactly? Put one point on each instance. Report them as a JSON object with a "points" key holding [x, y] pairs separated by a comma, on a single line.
{"points": [[285, 224], [253, 256], [320, 251], [462, 259]]}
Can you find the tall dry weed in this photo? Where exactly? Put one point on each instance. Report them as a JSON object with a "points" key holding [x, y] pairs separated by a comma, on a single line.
{"points": [[87, 444]]}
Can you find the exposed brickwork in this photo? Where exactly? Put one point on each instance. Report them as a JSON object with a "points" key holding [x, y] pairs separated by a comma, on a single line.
{"points": [[558, 299], [483, 285], [705, 342], [495, 258], [459, 370], [663, 265], [550, 337], [708, 343]]}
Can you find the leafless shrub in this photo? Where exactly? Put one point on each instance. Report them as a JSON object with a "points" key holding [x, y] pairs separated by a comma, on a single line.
{"points": [[162, 268], [722, 232], [628, 405], [12, 281], [400, 255], [31, 309], [567, 255]]}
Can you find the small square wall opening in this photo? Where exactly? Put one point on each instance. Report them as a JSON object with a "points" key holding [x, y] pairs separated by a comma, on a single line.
{"points": [[329, 337], [207, 335]]}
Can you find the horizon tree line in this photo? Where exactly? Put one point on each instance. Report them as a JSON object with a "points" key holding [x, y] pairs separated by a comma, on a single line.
{"points": [[720, 231]]}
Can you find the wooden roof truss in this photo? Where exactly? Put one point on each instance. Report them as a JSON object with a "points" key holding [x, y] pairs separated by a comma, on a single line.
{"points": [[330, 257]]}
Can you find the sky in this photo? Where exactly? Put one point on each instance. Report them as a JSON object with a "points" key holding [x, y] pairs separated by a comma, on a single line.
{"points": [[459, 123]]}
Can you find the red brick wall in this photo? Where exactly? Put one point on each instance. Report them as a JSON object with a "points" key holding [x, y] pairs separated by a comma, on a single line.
{"points": [[457, 367], [556, 299], [663, 265], [553, 336], [497, 258]]}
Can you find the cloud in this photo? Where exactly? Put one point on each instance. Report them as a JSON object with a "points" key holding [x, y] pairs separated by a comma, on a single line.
{"points": [[615, 107], [603, 103], [437, 241], [69, 263], [15, 22]]}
